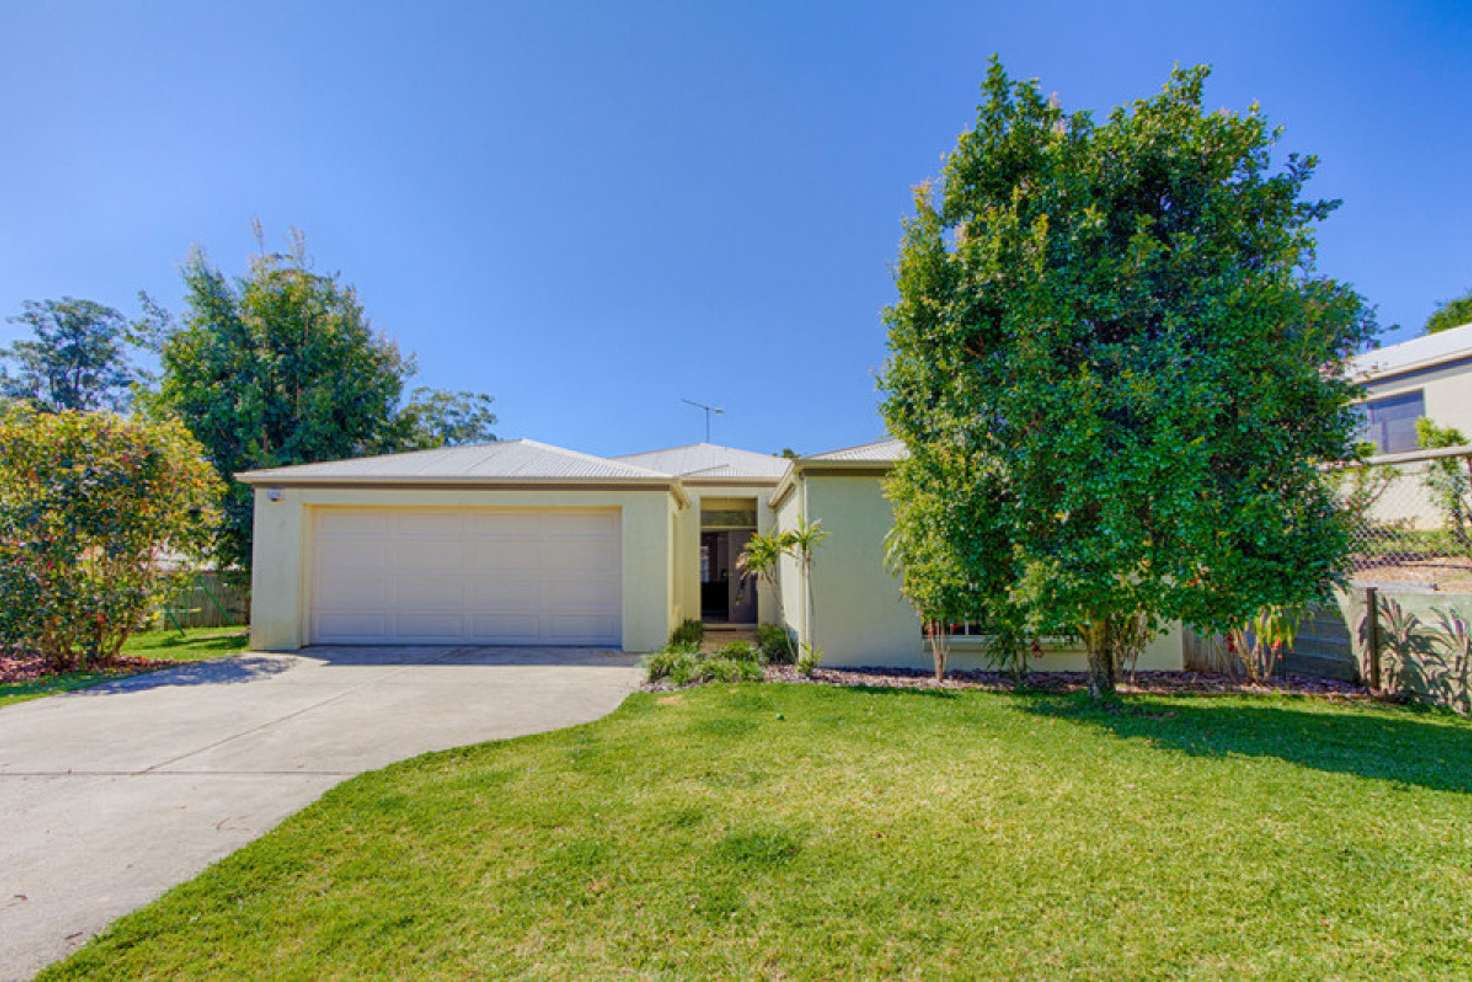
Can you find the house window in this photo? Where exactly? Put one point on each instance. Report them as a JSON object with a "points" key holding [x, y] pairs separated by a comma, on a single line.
{"points": [[1390, 422]]}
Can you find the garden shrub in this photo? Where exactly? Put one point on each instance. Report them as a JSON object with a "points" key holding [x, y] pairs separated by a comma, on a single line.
{"points": [[775, 645], [719, 668], [91, 504], [683, 663], [689, 632], [674, 663], [741, 651], [809, 659]]}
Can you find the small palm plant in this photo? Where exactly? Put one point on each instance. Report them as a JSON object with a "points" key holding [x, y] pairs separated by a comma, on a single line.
{"points": [[762, 558], [799, 542]]}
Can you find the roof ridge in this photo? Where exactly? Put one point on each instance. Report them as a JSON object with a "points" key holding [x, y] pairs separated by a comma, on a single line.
{"points": [[867, 443], [651, 472]]}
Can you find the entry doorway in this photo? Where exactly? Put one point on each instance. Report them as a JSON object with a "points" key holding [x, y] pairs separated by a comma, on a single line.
{"points": [[726, 597]]}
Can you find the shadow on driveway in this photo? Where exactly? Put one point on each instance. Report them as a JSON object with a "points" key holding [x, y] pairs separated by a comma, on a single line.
{"points": [[256, 667]]}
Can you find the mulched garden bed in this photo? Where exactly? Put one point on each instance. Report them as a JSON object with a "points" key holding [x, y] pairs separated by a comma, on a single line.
{"points": [[33, 668], [1156, 683]]}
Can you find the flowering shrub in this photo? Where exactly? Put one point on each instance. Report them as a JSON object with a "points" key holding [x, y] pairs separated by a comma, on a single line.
{"points": [[90, 506]]}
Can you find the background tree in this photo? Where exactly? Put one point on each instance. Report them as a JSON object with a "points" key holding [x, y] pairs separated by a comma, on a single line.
{"points": [[437, 418], [1451, 313], [78, 358], [94, 511], [279, 367], [1112, 334]]}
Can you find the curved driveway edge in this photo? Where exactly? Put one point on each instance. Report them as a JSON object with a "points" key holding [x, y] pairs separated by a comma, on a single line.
{"points": [[113, 794]]}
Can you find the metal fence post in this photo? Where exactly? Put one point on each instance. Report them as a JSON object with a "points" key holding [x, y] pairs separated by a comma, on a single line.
{"points": [[1372, 611]]}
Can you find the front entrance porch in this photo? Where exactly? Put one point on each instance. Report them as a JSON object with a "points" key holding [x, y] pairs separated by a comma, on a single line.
{"points": [[726, 597]]}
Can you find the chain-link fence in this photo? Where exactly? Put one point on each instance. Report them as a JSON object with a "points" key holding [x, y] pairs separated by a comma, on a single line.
{"points": [[1411, 517]]}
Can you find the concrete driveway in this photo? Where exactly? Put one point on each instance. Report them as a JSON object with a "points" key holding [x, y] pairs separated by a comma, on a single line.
{"points": [[110, 795]]}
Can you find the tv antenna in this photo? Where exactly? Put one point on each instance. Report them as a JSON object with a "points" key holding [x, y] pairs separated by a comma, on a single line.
{"points": [[709, 410]]}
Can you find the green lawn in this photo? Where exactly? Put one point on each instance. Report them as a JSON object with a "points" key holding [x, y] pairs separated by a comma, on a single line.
{"points": [[811, 831], [195, 644]]}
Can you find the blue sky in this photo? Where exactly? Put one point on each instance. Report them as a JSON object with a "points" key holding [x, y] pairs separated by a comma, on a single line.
{"points": [[593, 210]]}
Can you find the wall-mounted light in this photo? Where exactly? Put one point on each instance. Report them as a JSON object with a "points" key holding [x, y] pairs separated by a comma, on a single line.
{"points": [[273, 494]]}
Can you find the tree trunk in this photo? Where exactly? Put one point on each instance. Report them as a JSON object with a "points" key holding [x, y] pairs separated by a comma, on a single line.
{"points": [[1101, 671], [1100, 638]]}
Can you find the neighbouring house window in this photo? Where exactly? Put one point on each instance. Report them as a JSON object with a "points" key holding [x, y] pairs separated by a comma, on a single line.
{"points": [[1390, 422]]}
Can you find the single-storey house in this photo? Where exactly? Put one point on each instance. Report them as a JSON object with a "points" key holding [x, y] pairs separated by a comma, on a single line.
{"points": [[522, 543]]}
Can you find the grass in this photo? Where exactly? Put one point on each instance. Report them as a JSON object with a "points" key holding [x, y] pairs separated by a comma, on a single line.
{"points": [[790, 830], [195, 644]]}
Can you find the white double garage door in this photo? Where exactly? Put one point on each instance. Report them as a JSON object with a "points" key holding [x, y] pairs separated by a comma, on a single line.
{"points": [[466, 576]]}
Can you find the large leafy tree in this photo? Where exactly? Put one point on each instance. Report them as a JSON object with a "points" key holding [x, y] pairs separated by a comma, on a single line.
{"points": [[281, 367], [76, 359], [1451, 313], [1112, 350]]}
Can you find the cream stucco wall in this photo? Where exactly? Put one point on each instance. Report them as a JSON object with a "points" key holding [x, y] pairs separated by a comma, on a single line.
{"points": [[280, 580], [859, 617]]}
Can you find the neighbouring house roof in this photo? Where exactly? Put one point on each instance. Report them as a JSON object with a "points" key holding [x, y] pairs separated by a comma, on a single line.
{"points": [[710, 462], [506, 461], [1423, 352], [878, 451]]}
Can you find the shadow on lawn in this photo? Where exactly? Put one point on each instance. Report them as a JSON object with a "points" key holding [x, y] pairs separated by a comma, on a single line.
{"points": [[1430, 752]]}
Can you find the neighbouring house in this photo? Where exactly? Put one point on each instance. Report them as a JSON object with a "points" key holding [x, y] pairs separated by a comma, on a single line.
{"points": [[1427, 376], [523, 543]]}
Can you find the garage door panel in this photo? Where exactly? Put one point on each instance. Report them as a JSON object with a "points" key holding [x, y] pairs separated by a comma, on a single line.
{"points": [[583, 595], [466, 575], [504, 593], [583, 628], [352, 554], [348, 627], [429, 591], [503, 555], [508, 524], [508, 628], [429, 626], [348, 591], [431, 525], [423, 555], [576, 554], [352, 524]]}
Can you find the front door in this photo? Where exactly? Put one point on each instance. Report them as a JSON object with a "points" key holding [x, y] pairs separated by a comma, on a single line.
{"points": [[725, 595], [742, 588]]}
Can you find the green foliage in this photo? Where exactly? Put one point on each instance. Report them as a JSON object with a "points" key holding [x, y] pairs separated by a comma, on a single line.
{"points": [[1257, 645], [677, 664], [683, 663], [1451, 313], [775, 643], [436, 418], [282, 367], [90, 506], [1449, 481], [1114, 362], [720, 668], [78, 358], [741, 651], [809, 658], [761, 557], [690, 632], [1428, 660]]}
